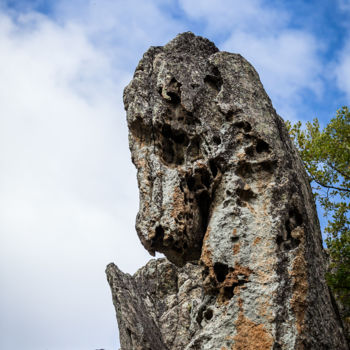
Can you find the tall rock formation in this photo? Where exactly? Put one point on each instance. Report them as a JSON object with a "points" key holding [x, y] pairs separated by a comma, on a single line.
{"points": [[224, 196]]}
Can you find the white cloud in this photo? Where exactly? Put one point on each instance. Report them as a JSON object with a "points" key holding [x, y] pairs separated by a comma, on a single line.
{"points": [[340, 65], [287, 60], [344, 5], [287, 63], [226, 16], [342, 71], [124, 29], [68, 188]]}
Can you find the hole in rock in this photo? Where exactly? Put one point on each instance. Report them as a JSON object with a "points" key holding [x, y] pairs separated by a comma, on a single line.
{"points": [[173, 92], [247, 127], [169, 239], [230, 115], [244, 169], [190, 118], [168, 153], [159, 235], [214, 80], [174, 98], [208, 314], [199, 317], [180, 138], [267, 166], [298, 219], [286, 241], [176, 135], [200, 314], [243, 125], [240, 282], [262, 146], [139, 129], [249, 151], [179, 159], [217, 140], [245, 195], [203, 202], [177, 247], [166, 131], [205, 178], [221, 271], [228, 292], [194, 148], [213, 167], [205, 272], [181, 187], [279, 239], [190, 182], [295, 219]]}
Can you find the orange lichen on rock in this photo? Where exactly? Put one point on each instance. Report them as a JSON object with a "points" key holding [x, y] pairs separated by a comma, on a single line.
{"points": [[206, 260], [178, 202], [299, 280], [238, 273], [250, 336], [257, 240], [206, 253]]}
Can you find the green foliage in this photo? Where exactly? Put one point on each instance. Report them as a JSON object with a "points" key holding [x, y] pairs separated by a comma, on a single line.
{"points": [[326, 156]]}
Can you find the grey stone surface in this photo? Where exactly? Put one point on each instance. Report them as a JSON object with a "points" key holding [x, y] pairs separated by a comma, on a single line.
{"points": [[156, 306], [224, 195]]}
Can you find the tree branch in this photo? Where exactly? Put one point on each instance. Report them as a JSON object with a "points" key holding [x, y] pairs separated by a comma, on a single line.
{"points": [[337, 170], [331, 187]]}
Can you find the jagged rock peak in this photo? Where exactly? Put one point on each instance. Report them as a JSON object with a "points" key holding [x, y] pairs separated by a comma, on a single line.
{"points": [[224, 195]]}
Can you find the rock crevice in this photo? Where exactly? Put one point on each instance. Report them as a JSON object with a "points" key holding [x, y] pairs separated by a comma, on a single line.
{"points": [[224, 196]]}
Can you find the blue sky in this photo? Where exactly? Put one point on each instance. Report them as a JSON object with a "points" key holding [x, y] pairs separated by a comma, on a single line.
{"points": [[68, 193]]}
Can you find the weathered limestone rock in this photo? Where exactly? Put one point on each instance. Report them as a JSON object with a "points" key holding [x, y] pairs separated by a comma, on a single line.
{"points": [[224, 195], [156, 308]]}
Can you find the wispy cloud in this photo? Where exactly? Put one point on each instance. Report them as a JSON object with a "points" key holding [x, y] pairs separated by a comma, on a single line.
{"points": [[341, 63], [225, 16], [68, 189], [287, 59], [288, 64], [344, 5], [342, 70]]}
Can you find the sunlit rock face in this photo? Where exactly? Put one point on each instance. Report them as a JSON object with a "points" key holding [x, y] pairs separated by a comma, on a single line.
{"points": [[224, 195]]}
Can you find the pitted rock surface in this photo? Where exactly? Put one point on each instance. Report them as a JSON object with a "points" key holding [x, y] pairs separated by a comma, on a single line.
{"points": [[224, 195]]}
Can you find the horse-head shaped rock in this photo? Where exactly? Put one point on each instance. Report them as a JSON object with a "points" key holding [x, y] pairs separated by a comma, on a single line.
{"points": [[191, 114], [225, 197]]}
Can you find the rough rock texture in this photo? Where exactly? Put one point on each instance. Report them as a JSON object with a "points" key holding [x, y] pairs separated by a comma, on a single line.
{"points": [[157, 307], [224, 195]]}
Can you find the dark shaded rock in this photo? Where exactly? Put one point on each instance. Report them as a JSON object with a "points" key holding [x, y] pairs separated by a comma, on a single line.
{"points": [[221, 185], [156, 307]]}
